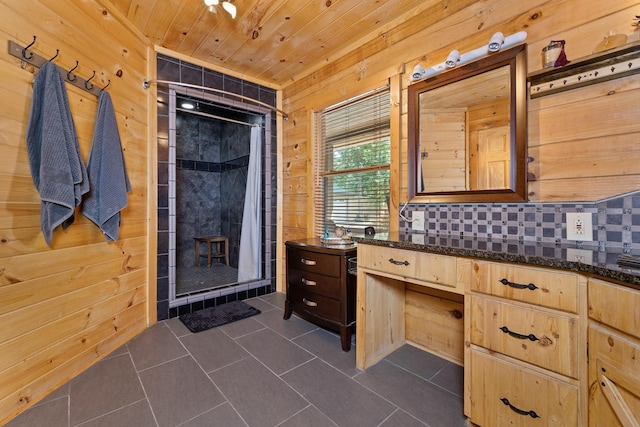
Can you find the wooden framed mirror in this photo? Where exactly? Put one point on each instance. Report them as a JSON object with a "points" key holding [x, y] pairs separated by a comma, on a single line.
{"points": [[468, 132]]}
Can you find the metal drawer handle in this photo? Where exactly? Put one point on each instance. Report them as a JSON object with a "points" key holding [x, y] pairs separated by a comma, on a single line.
{"points": [[530, 286], [530, 337], [393, 261], [307, 261], [309, 303], [532, 414], [308, 282]]}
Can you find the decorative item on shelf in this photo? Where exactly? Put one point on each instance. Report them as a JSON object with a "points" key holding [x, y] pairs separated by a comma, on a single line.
{"points": [[553, 55], [497, 42], [337, 242], [610, 41], [339, 231]]}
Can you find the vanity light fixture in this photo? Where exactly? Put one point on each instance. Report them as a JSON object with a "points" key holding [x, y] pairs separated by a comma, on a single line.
{"points": [[226, 5], [455, 59]]}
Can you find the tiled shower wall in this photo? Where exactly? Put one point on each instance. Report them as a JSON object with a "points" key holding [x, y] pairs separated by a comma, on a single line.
{"points": [[180, 71], [616, 221]]}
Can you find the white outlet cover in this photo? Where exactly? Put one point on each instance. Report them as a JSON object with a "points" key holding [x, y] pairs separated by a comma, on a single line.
{"points": [[417, 223], [580, 255], [587, 226]]}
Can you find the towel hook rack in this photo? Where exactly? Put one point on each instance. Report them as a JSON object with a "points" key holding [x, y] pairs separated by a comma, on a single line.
{"points": [[71, 71], [24, 51], [55, 56], [108, 83], [88, 85]]}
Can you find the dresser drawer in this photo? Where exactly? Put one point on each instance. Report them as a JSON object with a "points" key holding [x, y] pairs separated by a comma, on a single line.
{"points": [[507, 394], [317, 283], [540, 338], [533, 285], [614, 305], [318, 305], [439, 269], [325, 264]]}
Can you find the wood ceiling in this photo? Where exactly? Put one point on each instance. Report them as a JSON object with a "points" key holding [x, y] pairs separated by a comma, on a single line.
{"points": [[270, 41]]}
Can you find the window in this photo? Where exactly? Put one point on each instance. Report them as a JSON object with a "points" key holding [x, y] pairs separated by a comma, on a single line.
{"points": [[352, 175]]}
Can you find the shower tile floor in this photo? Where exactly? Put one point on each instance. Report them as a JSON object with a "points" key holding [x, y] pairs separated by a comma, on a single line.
{"points": [[195, 279], [260, 371]]}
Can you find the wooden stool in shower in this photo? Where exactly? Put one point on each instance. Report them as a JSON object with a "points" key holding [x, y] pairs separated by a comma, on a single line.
{"points": [[221, 243]]}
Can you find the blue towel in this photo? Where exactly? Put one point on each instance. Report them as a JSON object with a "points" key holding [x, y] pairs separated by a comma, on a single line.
{"points": [[54, 155], [107, 172]]}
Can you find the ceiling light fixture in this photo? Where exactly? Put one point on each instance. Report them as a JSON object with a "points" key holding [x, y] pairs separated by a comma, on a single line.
{"points": [[226, 5]]}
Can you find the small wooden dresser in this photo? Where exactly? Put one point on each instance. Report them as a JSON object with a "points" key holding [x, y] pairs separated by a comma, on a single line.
{"points": [[319, 287]]}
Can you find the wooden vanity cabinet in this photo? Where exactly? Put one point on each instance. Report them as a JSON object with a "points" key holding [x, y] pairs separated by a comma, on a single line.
{"points": [[528, 346], [319, 287], [614, 355]]}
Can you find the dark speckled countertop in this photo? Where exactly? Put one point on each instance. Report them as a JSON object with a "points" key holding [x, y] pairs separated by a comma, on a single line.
{"points": [[602, 265]]}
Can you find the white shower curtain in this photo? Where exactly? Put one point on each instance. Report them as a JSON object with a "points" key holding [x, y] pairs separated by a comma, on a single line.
{"points": [[250, 236]]}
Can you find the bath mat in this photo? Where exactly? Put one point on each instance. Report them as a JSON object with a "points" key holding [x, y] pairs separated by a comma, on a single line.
{"points": [[211, 317]]}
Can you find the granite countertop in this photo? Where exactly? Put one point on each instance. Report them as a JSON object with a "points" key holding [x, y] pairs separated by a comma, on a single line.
{"points": [[595, 262]]}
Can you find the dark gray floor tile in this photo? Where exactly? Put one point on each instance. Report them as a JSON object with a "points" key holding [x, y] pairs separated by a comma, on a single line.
{"points": [[54, 413], [213, 349], [291, 328], [241, 327], [276, 299], [327, 346], [179, 391], [451, 377], [222, 416], [154, 346], [309, 417], [106, 386], [259, 396], [177, 327], [261, 304], [138, 415], [401, 418], [418, 397], [346, 402], [417, 361], [277, 353]]}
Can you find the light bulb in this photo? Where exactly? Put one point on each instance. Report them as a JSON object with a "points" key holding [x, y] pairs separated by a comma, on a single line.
{"points": [[496, 42], [453, 58], [229, 7], [211, 2]]}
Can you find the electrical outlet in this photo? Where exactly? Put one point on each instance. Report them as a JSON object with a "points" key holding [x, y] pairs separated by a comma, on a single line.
{"points": [[417, 223], [579, 226], [579, 255]]}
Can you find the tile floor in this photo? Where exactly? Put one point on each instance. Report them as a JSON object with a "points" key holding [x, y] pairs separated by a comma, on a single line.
{"points": [[260, 371]]}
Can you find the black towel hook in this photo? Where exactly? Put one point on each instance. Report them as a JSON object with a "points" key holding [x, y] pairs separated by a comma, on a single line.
{"points": [[71, 71], [87, 85], [24, 51], [55, 56], [108, 83]]}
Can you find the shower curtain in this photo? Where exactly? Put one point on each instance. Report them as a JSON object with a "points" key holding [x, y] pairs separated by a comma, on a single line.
{"points": [[250, 236]]}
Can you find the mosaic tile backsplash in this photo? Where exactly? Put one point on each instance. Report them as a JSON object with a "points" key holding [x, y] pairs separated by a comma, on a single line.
{"points": [[616, 221]]}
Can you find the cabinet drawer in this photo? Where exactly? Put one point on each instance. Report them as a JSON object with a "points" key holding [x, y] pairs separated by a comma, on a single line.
{"points": [[318, 305], [541, 338], [507, 394], [328, 265], [439, 269], [615, 305], [316, 283], [533, 285]]}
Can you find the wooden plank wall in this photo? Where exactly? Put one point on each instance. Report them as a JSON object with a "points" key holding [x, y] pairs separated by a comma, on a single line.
{"points": [[64, 307], [583, 142]]}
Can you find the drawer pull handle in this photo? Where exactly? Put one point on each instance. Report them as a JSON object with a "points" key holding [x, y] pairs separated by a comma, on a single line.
{"points": [[393, 261], [308, 282], [532, 414], [309, 303], [307, 261], [530, 286], [530, 337]]}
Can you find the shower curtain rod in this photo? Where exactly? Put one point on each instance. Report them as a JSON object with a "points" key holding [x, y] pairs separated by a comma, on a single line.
{"points": [[147, 84], [212, 116]]}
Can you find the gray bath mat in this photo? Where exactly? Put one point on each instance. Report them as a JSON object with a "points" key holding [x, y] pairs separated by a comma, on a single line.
{"points": [[208, 318]]}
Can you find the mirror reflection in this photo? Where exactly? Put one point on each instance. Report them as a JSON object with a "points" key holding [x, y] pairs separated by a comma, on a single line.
{"points": [[467, 132]]}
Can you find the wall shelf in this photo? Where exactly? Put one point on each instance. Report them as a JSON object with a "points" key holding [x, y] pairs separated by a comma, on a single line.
{"points": [[599, 67]]}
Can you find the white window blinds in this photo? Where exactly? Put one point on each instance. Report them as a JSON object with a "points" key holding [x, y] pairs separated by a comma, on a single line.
{"points": [[352, 174]]}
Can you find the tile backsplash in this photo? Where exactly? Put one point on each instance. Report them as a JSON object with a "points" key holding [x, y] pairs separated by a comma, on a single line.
{"points": [[616, 221]]}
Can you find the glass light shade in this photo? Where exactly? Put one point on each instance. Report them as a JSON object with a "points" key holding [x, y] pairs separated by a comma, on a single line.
{"points": [[211, 2], [229, 7]]}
